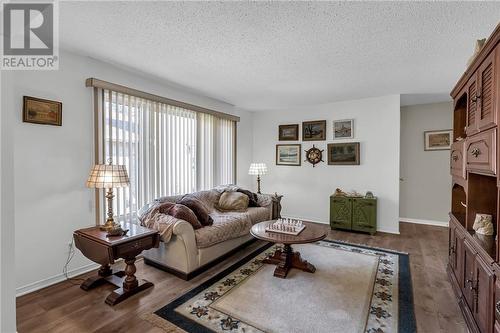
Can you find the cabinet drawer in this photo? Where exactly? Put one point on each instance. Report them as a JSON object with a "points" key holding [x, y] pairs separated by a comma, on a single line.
{"points": [[457, 159], [134, 247], [481, 152]]}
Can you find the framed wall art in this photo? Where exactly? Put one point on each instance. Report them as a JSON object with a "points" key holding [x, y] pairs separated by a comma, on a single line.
{"points": [[343, 129], [288, 154], [437, 140], [288, 132], [343, 153], [42, 111], [314, 130]]}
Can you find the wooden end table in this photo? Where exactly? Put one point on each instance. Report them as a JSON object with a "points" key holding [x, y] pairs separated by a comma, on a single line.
{"points": [[286, 259], [104, 250]]}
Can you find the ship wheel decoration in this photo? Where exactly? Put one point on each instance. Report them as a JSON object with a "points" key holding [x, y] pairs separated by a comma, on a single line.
{"points": [[314, 155]]}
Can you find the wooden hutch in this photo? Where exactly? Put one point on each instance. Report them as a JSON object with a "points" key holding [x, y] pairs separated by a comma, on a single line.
{"points": [[473, 265]]}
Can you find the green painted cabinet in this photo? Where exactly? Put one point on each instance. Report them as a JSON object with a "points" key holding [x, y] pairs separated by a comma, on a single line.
{"points": [[353, 213]]}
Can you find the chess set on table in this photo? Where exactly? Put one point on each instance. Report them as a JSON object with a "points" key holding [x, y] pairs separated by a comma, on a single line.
{"points": [[286, 226]]}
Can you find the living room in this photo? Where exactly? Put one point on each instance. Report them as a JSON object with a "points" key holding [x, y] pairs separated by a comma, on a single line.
{"points": [[331, 164]]}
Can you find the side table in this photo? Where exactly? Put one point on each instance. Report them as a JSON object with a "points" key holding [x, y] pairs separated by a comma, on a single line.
{"points": [[95, 245]]}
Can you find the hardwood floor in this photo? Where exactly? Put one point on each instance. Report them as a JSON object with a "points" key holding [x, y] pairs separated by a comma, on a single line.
{"points": [[66, 308]]}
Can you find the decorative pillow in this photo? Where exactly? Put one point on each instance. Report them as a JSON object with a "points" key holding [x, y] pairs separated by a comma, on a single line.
{"points": [[252, 197], [233, 201], [184, 213], [164, 207], [199, 209]]}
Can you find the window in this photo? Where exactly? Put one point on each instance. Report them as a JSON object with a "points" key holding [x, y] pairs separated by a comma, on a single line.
{"points": [[167, 149]]}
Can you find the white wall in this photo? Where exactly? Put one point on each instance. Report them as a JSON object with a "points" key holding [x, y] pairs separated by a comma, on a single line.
{"points": [[7, 273], [306, 189], [51, 164], [425, 190]]}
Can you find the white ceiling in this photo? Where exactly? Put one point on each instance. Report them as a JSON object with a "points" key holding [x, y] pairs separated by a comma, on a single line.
{"points": [[263, 55]]}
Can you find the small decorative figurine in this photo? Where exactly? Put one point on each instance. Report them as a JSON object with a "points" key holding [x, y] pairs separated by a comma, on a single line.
{"points": [[369, 195], [483, 224], [118, 231], [339, 192]]}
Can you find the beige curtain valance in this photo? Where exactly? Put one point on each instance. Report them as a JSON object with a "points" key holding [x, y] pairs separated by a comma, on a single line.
{"points": [[93, 82]]}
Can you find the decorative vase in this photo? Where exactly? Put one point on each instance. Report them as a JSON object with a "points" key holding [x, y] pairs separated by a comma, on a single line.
{"points": [[483, 224]]}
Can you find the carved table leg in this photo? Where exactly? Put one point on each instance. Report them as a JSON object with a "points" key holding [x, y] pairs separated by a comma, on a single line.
{"points": [[131, 285], [95, 281], [286, 259]]}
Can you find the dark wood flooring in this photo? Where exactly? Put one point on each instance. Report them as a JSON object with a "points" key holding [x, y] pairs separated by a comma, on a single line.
{"points": [[64, 307]]}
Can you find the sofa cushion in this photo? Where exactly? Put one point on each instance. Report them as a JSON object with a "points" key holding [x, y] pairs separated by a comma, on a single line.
{"points": [[226, 226], [199, 208], [229, 225], [252, 197], [233, 201], [184, 213]]}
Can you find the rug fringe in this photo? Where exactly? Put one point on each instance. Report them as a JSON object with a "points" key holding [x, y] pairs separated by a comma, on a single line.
{"points": [[161, 323]]}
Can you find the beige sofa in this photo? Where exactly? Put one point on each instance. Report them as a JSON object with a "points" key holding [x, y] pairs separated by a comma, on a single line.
{"points": [[189, 251]]}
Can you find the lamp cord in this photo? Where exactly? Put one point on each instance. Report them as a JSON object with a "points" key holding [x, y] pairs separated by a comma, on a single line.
{"points": [[71, 254]]}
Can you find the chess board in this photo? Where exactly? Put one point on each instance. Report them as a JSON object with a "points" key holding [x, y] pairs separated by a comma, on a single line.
{"points": [[297, 231]]}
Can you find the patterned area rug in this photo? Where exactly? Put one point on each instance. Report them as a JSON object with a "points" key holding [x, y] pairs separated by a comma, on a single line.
{"points": [[354, 289]]}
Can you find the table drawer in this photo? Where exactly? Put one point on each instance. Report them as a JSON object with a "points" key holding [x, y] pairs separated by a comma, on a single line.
{"points": [[134, 247], [481, 152], [457, 159]]}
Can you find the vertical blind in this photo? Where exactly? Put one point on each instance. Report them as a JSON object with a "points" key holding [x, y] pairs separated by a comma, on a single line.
{"points": [[167, 150]]}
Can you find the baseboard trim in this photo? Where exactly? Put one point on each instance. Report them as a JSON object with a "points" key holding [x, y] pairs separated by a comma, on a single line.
{"points": [[29, 288], [323, 222], [427, 222]]}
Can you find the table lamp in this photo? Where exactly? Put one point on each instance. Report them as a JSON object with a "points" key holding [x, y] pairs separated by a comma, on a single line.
{"points": [[108, 176], [257, 169]]}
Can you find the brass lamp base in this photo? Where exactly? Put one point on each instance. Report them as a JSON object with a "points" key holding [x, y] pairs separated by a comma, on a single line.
{"points": [[109, 225]]}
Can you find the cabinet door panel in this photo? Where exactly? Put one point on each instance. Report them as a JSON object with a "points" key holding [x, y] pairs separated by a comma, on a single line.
{"points": [[486, 100], [457, 159], [472, 106], [469, 275], [340, 212], [483, 298], [364, 214], [458, 268], [481, 152]]}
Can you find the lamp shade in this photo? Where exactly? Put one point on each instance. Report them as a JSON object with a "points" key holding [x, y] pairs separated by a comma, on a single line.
{"points": [[108, 176], [257, 169]]}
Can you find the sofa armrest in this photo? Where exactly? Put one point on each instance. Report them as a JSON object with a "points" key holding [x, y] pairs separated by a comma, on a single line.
{"points": [[272, 202], [185, 234]]}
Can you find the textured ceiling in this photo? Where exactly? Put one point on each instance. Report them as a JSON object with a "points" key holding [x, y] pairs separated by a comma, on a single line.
{"points": [[263, 55]]}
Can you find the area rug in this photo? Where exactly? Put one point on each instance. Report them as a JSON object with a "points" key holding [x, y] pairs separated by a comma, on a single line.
{"points": [[354, 289]]}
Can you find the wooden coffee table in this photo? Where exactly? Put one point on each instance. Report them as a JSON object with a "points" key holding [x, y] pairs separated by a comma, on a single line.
{"points": [[286, 259]]}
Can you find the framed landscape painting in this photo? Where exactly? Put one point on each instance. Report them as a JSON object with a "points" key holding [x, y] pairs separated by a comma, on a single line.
{"points": [[288, 132], [343, 153], [343, 129], [42, 111], [438, 140], [288, 154], [314, 130]]}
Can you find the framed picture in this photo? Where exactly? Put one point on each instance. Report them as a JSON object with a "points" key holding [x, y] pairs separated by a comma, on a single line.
{"points": [[288, 154], [288, 132], [42, 111], [343, 153], [343, 129], [314, 130], [438, 140]]}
